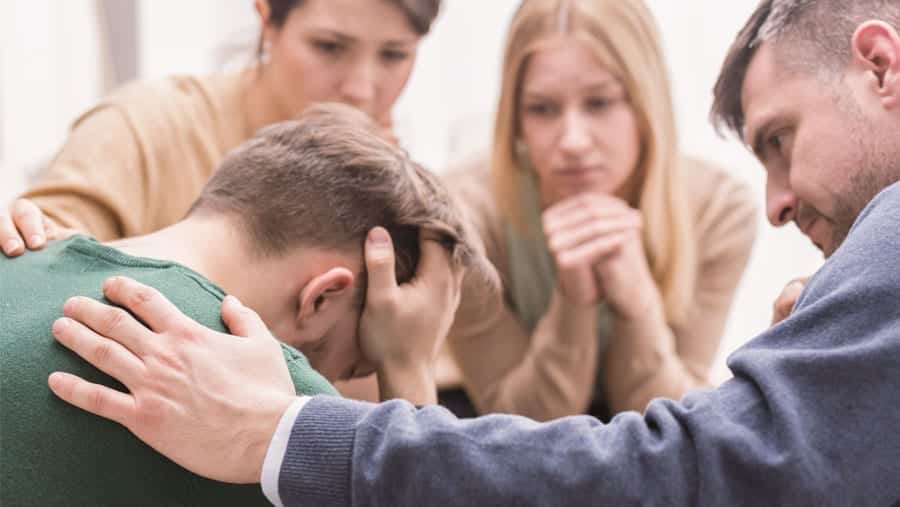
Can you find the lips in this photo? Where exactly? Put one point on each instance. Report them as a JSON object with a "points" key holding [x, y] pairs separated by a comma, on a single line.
{"points": [[576, 172]]}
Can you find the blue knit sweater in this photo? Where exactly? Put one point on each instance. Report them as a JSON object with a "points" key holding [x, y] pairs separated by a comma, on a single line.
{"points": [[810, 418]]}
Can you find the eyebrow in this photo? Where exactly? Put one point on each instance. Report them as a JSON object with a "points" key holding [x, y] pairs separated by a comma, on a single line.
{"points": [[601, 85], [347, 38]]}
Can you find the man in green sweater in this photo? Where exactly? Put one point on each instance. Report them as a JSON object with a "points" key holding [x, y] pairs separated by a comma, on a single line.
{"points": [[281, 226]]}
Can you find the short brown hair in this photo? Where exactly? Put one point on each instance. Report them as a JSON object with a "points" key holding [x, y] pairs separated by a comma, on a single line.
{"points": [[810, 35], [325, 180]]}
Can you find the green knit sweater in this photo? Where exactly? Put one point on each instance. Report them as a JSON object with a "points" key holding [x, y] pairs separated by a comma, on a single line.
{"points": [[54, 454]]}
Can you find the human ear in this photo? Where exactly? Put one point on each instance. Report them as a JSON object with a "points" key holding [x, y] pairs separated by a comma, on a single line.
{"points": [[321, 293], [876, 47], [264, 10]]}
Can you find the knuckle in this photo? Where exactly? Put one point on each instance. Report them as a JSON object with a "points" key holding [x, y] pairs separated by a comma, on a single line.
{"points": [[140, 297], [23, 208], [114, 320], [102, 353], [96, 401]]}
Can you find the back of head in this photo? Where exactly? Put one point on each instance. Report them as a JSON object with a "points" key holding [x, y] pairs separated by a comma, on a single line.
{"points": [[812, 36], [326, 179]]}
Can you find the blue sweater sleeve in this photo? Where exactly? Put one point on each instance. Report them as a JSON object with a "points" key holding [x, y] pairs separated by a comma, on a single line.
{"points": [[809, 419]]}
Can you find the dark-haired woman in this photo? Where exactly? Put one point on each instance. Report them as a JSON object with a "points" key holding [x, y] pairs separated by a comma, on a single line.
{"points": [[136, 162]]}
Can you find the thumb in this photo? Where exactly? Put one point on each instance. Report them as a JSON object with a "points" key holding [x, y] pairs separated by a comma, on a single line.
{"points": [[380, 260], [243, 321]]}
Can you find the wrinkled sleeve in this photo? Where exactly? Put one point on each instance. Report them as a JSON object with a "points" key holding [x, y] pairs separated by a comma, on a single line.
{"points": [[808, 419], [96, 184]]}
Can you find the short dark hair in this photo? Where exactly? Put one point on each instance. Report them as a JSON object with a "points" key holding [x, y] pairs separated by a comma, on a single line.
{"points": [[420, 14], [325, 180], [810, 35]]}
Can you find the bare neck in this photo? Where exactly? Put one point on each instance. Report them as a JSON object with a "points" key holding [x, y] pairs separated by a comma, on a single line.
{"points": [[262, 105], [213, 247]]}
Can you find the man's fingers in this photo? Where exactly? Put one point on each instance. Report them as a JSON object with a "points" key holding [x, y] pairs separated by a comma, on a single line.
{"points": [[94, 398], [434, 262], [144, 301], [110, 322], [10, 240], [380, 260], [243, 321], [107, 355], [29, 220]]}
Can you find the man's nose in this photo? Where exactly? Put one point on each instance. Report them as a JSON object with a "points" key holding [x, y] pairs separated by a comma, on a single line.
{"points": [[781, 203]]}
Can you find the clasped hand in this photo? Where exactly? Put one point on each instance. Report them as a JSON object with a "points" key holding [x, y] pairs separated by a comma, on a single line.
{"points": [[595, 240]]}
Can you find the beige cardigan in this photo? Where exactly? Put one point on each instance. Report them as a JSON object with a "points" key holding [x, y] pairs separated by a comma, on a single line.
{"points": [[550, 375], [136, 162]]}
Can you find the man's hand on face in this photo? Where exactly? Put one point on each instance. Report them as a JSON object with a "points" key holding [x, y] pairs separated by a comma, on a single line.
{"points": [[403, 327], [208, 401], [784, 305]]}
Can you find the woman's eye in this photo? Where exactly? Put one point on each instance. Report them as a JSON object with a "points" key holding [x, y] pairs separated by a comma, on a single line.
{"points": [[328, 47], [539, 109], [598, 103], [394, 55]]}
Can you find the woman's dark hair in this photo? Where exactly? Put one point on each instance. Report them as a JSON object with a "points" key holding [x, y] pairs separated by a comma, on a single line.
{"points": [[420, 13]]}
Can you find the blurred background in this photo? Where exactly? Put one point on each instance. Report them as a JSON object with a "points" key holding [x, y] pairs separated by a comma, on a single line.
{"points": [[58, 57]]}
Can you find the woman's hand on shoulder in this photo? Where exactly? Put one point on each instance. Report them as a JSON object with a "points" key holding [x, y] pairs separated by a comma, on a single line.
{"points": [[25, 226]]}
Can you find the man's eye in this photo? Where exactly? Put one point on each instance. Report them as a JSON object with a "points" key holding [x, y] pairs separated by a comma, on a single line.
{"points": [[776, 142]]}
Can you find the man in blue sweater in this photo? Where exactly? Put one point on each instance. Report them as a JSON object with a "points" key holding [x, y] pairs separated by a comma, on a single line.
{"points": [[810, 417]]}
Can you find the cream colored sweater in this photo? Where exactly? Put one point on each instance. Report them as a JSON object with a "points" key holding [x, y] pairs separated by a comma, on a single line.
{"points": [[137, 161], [546, 375]]}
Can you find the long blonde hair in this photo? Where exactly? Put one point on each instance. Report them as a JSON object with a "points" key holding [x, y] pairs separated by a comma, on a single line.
{"points": [[624, 38]]}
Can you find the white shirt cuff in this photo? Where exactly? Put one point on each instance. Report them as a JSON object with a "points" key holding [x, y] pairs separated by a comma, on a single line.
{"points": [[271, 469]]}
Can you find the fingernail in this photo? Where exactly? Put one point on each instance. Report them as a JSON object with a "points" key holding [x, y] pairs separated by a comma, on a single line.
{"points": [[108, 283], [234, 300], [11, 246], [59, 325], [379, 236], [36, 240], [69, 305]]}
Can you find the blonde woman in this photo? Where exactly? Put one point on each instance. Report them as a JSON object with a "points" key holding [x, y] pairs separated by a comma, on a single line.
{"points": [[620, 257]]}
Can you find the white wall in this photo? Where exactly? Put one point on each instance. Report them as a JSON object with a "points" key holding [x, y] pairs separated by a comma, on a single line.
{"points": [[49, 72]]}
